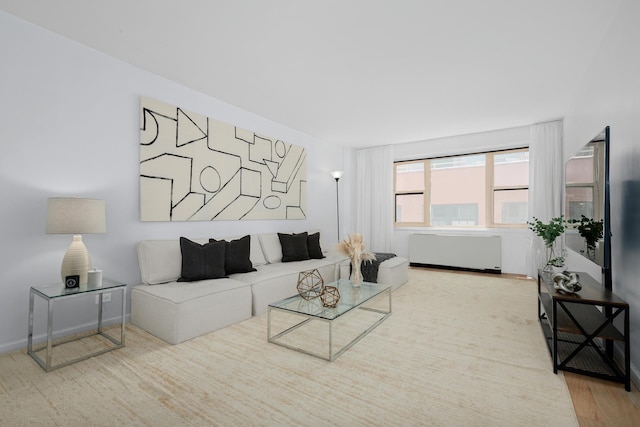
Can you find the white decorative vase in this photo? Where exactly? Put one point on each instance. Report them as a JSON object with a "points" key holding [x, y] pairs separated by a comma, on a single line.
{"points": [[356, 274]]}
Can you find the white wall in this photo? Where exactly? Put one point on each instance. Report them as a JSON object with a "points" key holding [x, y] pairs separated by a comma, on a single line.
{"points": [[609, 95], [70, 126], [515, 241]]}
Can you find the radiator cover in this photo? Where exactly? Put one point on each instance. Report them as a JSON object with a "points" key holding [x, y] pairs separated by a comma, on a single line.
{"points": [[474, 253]]}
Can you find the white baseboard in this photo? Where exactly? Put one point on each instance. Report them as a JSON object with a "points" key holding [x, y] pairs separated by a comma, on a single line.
{"points": [[40, 338]]}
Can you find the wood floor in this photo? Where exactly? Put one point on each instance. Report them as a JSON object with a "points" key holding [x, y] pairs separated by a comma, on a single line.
{"points": [[601, 403]]}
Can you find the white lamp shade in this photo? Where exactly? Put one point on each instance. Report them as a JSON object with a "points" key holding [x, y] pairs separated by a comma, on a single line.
{"points": [[337, 174], [70, 215]]}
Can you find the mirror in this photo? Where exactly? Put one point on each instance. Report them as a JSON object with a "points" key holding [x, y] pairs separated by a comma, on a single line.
{"points": [[587, 201]]}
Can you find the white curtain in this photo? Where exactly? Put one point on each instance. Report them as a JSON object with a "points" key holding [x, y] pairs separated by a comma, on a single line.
{"points": [[545, 184], [374, 198]]}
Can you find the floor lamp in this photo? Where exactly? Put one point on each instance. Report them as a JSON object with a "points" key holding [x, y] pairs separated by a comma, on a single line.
{"points": [[337, 175]]}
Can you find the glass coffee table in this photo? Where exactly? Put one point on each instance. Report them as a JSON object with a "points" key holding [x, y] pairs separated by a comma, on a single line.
{"points": [[327, 332]]}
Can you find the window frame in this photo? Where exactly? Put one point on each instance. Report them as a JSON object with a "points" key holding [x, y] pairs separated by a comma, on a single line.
{"points": [[490, 188]]}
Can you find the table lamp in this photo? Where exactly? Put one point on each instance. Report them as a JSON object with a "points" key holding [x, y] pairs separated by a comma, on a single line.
{"points": [[71, 215]]}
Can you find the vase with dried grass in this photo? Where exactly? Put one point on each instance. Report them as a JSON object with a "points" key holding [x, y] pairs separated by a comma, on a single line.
{"points": [[353, 247]]}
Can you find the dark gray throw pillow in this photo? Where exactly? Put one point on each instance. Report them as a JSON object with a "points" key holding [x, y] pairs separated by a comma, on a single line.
{"points": [[201, 262], [313, 246], [294, 247], [236, 258]]}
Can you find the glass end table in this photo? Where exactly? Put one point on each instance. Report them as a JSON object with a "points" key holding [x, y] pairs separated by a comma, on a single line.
{"points": [[58, 292]]}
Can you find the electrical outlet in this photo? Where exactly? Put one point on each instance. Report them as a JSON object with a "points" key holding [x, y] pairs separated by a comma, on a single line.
{"points": [[106, 297]]}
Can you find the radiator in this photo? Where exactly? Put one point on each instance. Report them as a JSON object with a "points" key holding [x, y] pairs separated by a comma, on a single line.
{"points": [[475, 253]]}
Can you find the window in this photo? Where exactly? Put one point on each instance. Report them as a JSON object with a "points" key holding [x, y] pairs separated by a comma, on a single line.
{"points": [[510, 187], [410, 185], [463, 214], [580, 188], [476, 190]]}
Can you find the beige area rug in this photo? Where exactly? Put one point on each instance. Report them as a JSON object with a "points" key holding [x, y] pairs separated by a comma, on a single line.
{"points": [[458, 350]]}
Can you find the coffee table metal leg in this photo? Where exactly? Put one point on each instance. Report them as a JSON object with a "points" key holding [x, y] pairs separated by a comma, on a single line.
{"points": [[331, 341], [268, 324]]}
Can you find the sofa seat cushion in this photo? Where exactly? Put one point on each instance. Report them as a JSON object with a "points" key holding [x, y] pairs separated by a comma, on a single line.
{"points": [[176, 312], [263, 272], [310, 264], [179, 292], [394, 271]]}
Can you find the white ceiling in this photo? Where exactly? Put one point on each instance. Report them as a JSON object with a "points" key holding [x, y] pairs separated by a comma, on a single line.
{"points": [[360, 72]]}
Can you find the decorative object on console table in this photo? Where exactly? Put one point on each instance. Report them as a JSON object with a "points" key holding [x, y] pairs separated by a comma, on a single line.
{"points": [[566, 282], [77, 216], [337, 175], [549, 232], [354, 249], [310, 284]]}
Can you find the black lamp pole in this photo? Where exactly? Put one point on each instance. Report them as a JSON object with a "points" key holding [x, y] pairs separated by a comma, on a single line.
{"points": [[338, 206], [337, 175]]}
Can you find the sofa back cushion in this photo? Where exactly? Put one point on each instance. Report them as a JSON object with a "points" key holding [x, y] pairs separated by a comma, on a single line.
{"points": [[270, 243], [161, 260]]}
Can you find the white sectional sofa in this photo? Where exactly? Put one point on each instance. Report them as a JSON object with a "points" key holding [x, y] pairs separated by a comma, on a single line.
{"points": [[176, 311]]}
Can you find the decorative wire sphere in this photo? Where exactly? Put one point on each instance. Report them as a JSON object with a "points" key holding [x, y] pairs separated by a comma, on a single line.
{"points": [[330, 296], [310, 284]]}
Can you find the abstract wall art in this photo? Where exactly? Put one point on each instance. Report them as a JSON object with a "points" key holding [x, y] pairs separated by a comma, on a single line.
{"points": [[195, 168]]}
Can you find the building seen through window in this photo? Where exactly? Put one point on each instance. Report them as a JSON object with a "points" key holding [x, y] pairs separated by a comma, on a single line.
{"points": [[478, 190]]}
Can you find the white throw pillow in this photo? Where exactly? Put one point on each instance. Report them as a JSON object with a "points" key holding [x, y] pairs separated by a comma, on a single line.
{"points": [[161, 260], [271, 247]]}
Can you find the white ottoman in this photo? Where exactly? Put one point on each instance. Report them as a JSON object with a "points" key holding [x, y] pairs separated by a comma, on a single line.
{"points": [[394, 271]]}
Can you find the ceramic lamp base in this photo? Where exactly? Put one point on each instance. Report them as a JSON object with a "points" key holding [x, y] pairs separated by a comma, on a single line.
{"points": [[76, 260]]}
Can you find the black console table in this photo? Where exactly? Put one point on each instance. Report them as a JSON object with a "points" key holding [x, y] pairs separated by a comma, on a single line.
{"points": [[579, 328]]}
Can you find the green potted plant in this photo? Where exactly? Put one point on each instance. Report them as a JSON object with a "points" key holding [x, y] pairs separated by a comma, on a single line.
{"points": [[591, 231], [549, 232]]}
